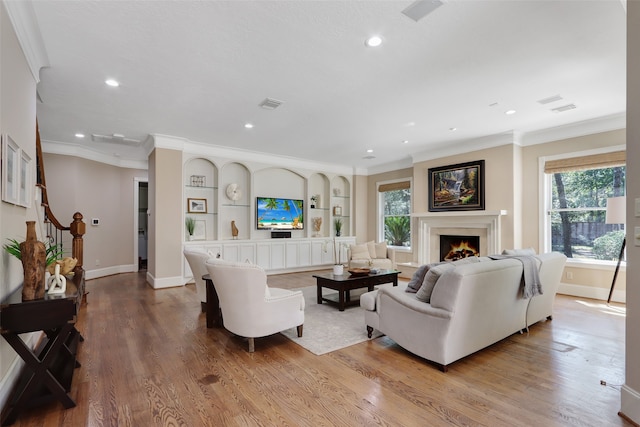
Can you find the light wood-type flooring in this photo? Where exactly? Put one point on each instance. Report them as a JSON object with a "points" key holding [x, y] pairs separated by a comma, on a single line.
{"points": [[149, 360]]}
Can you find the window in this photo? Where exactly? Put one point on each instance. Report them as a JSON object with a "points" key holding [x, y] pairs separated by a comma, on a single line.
{"points": [[579, 189], [395, 221]]}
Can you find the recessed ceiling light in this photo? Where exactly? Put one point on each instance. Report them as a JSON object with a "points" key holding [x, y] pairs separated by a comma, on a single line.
{"points": [[369, 150], [453, 129], [510, 112], [79, 135], [373, 41], [406, 141], [248, 125], [112, 82]]}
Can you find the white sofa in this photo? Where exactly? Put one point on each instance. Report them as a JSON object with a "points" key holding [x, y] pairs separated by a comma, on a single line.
{"points": [[372, 255], [471, 307]]}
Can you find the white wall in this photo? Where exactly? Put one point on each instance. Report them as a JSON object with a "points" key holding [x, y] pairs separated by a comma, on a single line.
{"points": [[630, 392], [17, 119]]}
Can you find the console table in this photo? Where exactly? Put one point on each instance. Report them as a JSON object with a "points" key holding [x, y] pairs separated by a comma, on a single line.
{"points": [[49, 367]]}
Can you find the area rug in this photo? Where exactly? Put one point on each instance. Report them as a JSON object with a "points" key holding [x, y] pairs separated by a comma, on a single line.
{"points": [[327, 329]]}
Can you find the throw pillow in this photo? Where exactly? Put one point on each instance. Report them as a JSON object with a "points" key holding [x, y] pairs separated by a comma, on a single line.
{"points": [[430, 279], [381, 250], [359, 251], [371, 247], [527, 251], [416, 280]]}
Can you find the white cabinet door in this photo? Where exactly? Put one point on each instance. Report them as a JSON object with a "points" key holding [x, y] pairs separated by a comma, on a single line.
{"points": [[277, 255], [292, 254], [263, 255], [304, 253]]}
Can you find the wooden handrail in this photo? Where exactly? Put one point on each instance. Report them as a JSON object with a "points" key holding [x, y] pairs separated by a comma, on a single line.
{"points": [[77, 228]]}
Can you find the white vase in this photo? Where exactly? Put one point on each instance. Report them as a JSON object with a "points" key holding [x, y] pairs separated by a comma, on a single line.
{"points": [[338, 269]]}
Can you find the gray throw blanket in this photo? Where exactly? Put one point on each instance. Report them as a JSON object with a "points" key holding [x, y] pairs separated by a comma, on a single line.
{"points": [[531, 285]]}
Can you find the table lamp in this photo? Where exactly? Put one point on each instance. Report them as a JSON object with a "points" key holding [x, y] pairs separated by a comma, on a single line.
{"points": [[616, 214]]}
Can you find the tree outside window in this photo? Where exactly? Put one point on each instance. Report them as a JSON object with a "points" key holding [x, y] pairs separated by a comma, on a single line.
{"points": [[396, 216], [578, 207]]}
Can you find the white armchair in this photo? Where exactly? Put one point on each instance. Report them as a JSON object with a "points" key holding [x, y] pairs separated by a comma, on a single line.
{"points": [[249, 307], [197, 260]]}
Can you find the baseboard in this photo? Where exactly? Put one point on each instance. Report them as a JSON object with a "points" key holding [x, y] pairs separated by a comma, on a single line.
{"points": [[8, 382], [109, 271], [592, 292], [165, 282], [630, 404]]}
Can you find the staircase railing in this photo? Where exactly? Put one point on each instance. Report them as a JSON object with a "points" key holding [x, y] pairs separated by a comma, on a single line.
{"points": [[55, 230]]}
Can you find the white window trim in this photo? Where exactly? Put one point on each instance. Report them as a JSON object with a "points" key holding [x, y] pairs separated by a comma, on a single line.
{"points": [[380, 213], [544, 181]]}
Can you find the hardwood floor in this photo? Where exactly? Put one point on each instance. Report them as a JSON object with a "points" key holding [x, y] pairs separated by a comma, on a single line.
{"points": [[149, 360]]}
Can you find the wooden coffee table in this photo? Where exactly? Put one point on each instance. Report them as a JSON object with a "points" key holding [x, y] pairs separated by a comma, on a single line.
{"points": [[346, 283]]}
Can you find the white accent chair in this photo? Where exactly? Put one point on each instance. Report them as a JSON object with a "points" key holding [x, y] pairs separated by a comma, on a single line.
{"points": [[197, 260], [249, 307]]}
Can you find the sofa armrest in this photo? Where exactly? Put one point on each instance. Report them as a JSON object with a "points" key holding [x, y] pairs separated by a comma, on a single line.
{"points": [[391, 254]]}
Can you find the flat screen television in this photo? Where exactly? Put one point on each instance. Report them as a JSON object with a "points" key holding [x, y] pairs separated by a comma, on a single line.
{"points": [[279, 214]]}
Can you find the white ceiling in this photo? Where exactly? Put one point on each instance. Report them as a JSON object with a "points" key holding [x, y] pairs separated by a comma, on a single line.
{"points": [[199, 69]]}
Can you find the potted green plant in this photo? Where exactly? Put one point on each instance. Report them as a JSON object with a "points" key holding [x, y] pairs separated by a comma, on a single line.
{"points": [[191, 226], [53, 251], [337, 223]]}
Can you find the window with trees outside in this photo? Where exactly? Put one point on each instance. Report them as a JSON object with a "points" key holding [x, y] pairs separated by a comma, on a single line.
{"points": [[395, 203], [580, 188]]}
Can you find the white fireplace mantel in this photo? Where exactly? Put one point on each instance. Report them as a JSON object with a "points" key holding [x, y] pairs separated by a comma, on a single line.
{"points": [[429, 222]]}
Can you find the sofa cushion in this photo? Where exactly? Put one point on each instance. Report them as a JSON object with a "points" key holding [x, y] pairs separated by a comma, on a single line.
{"points": [[430, 279], [380, 250], [359, 251]]}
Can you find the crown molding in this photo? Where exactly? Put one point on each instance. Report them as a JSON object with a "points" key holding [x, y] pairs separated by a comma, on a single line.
{"points": [[462, 147], [203, 149], [573, 130], [74, 150], [25, 25]]}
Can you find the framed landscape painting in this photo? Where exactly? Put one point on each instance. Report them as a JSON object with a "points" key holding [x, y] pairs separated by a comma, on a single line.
{"points": [[458, 187]]}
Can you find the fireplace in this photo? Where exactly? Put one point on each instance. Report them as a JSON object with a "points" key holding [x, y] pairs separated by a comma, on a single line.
{"points": [[453, 248]]}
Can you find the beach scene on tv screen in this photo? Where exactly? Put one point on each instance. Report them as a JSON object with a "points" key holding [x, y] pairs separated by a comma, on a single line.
{"points": [[279, 214]]}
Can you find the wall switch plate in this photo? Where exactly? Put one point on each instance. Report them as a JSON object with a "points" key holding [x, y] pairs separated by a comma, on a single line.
{"points": [[95, 221], [636, 236]]}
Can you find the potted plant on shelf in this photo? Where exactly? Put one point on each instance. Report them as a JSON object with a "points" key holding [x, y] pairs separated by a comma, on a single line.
{"points": [[190, 223], [337, 223]]}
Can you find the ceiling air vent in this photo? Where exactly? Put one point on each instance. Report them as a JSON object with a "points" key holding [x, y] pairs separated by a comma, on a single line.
{"points": [[270, 104], [369, 157], [550, 99], [116, 138], [421, 8], [564, 108]]}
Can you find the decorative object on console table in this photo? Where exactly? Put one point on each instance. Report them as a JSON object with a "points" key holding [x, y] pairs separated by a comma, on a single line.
{"points": [[34, 258], [337, 223], [458, 187]]}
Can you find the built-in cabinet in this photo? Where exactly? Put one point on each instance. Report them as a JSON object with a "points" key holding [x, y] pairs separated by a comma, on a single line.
{"points": [[221, 197]]}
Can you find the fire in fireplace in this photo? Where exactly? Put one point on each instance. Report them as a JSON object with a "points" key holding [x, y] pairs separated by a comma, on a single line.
{"points": [[453, 248]]}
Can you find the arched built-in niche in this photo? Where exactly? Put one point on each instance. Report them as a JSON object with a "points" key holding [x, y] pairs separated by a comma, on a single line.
{"points": [[235, 201], [319, 206], [284, 184], [200, 198], [341, 204]]}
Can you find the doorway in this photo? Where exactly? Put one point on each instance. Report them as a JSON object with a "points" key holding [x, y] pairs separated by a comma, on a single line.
{"points": [[141, 222]]}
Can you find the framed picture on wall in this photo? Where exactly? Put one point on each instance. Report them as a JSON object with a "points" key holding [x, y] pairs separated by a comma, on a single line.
{"points": [[10, 170], [25, 185], [197, 205], [458, 187]]}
